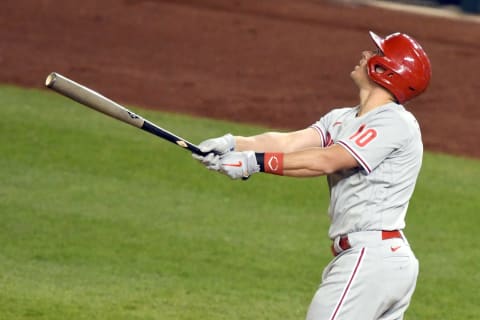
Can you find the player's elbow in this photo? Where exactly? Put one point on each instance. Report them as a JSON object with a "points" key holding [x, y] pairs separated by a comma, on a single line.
{"points": [[319, 167], [325, 168], [332, 162], [328, 169]]}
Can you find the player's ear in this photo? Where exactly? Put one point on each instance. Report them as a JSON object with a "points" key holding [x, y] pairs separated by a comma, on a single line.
{"points": [[379, 69]]}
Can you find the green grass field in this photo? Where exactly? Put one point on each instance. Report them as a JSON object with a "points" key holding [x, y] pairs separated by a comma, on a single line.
{"points": [[99, 220]]}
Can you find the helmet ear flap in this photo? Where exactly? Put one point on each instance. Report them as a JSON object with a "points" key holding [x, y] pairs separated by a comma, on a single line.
{"points": [[384, 77], [382, 63]]}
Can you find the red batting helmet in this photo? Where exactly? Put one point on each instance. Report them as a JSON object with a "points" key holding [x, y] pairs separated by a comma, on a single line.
{"points": [[407, 67]]}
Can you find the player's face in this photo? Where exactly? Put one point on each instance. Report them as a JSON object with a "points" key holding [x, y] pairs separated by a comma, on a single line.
{"points": [[360, 70], [360, 74]]}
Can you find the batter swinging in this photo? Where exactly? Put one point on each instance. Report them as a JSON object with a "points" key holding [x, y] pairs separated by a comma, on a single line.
{"points": [[371, 155]]}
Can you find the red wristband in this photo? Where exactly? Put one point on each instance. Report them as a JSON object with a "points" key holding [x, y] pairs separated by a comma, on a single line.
{"points": [[273, 163]]}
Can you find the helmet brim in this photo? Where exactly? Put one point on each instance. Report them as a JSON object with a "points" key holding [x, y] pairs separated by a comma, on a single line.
{"points": [[377, 40]]}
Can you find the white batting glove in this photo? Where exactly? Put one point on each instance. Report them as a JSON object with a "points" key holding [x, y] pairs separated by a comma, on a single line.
{"points": [[239, 165], [211, 160], [221, 145]]}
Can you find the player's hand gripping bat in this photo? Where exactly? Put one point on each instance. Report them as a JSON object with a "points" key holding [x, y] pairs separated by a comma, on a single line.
{"points": [[96, 101]]}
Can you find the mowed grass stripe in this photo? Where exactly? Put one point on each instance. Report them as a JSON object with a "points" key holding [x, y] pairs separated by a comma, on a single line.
{"points": [[100, 220]]}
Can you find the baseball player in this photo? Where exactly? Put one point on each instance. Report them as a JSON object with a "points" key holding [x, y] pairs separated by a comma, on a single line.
{"points": [[371, 154]]}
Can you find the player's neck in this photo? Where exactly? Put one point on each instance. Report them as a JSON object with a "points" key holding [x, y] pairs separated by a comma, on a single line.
{"points": [[372, 99]]}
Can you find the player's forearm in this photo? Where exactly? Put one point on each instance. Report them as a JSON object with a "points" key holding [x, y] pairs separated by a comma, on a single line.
{"points": [[279, 141], [310, 162], [265, 142], [306, 163]]}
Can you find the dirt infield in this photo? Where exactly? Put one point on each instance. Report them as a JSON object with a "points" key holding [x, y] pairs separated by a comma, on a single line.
{"points": [[272, 62]]}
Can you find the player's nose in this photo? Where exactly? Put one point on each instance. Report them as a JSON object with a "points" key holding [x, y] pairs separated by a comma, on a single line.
{"points": [[367, 54]]}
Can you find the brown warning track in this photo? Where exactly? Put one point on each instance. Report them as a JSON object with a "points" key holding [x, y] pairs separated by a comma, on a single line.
{"points": [[272, 62]]}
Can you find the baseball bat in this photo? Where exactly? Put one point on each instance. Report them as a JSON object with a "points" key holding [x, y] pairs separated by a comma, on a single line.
{"points": [[100, 103]]}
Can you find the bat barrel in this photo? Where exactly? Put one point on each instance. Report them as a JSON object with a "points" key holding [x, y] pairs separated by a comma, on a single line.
{"points": [[96, 101], [91, 99]]}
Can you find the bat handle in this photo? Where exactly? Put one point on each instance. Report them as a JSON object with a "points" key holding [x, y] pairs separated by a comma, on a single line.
{"points": [[196, 150]]}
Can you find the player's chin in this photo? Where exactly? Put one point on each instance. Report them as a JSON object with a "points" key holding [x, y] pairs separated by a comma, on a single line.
{"points": [[358, 73], [354, 73]]}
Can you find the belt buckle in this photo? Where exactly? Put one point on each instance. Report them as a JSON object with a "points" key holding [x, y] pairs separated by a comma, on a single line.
{"points": [[340, 244]]}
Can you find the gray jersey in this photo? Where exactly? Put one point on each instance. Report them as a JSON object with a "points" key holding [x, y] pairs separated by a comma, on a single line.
{"points": [[387, 144]]}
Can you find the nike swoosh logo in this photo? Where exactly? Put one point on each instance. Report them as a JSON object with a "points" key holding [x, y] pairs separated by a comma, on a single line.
{"points": [[238, 164], [395, 248]]}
